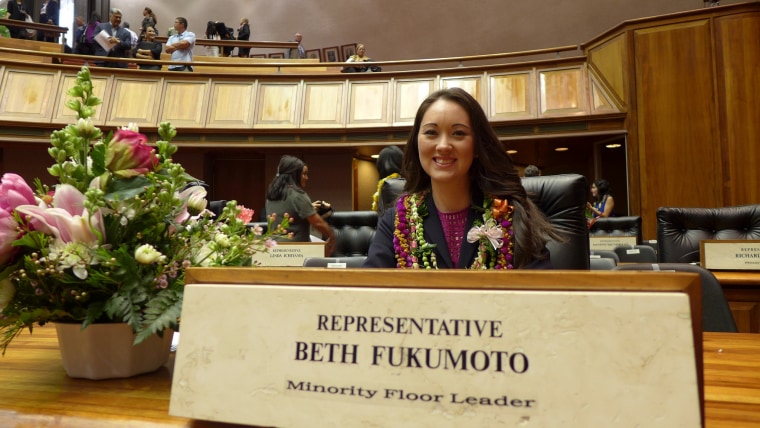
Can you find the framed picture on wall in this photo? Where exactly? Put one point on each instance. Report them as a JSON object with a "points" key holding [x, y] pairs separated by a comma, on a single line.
{"points": [[346, 51], [314, 53], [277, 55], [258, 56], [331, 54]]}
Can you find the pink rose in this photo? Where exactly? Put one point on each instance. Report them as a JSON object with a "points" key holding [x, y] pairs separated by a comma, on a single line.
{"points": [[128, 154], [8, 234], [14, 192]]}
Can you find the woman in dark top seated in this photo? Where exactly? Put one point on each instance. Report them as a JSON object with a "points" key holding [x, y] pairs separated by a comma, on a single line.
{"points": [[149, 48], [463, 204]]}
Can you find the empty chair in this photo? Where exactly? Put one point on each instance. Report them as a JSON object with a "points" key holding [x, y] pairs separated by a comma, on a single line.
{"points": [[716, 314], [350, 262], [679, 230], [604, 254], [602, 263], [636, 254]]}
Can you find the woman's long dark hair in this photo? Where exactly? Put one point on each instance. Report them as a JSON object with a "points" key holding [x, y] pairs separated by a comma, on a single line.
{"points": [[288, 175], [602, 190], [211, 30], [492, 173], [389, 161]]}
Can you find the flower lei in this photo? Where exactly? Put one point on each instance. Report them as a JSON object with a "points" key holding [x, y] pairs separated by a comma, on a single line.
{"points": [[380, 183], [494, 234]]}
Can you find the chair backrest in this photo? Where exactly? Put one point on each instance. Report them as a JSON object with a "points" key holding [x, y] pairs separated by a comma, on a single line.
{"points": [[617, 226], [351, 262], [602, 263], [604, 254], [716, 314], [679, 230], [354, 231], [562, 198], [389, 192], [636, 254]]}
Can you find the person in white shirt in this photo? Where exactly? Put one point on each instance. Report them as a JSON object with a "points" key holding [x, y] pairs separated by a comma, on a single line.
{"points": [[181, 45]]}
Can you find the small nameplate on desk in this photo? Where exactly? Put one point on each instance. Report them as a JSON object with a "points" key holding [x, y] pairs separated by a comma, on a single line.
{"points": [[610, 242], [289, 254], [730, 254], [319, 356]]}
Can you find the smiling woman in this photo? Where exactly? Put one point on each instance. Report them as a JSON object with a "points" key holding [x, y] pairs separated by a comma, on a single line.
{"points": [[461, 185]]}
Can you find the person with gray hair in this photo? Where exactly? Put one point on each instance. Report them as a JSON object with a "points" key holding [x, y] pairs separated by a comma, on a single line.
{"points": [[118, 42]]}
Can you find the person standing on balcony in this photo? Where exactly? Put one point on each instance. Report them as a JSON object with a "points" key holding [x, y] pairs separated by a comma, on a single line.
{"points": [[119, 41], [297, 52], [49, 12], [244, 33], [181, 45], [17, 11]]}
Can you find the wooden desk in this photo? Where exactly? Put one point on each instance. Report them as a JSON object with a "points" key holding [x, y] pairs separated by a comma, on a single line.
{"points": [[742, 290], [35, 391]]}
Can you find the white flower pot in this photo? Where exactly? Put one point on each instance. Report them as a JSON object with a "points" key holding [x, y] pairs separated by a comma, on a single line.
{"points": [[105, 351]]}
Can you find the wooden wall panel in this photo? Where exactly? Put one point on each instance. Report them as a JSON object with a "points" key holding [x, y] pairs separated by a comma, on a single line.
{"points": [[100, 86], [679, 151], [510, 96], [472, 84], [738, 63], [324, 105], [601, 101], [561, 92], [135, 101], [368, 103], [28, 95], [276, 105], [409, 95], [185, 103], [231, 105], [609, 61]]}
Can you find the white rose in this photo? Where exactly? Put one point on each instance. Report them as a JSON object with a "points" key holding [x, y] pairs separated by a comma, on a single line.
{"points": [[222, 240], [146, 254]]}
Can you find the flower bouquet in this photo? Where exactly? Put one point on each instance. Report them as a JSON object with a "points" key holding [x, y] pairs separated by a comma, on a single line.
{"points": [[110, 242]]}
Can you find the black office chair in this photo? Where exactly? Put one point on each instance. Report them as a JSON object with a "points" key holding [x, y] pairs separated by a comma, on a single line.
{"points": [[602, 263], [351, 262], [636, 254], [716, 314], [604, 254]]}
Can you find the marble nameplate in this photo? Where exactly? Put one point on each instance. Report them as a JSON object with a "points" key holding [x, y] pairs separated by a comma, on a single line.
{"points": [[730, 254], [610, 242], [289, 254], [325, 356]]}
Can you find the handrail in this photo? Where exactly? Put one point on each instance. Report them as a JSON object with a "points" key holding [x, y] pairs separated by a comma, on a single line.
{"points": [[34, 26], [285, 64], [237, 43]]}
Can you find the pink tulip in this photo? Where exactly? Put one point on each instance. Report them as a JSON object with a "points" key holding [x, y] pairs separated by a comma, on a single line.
{"points": [[68, 220], [8, 234], [14, 192], [128, 154]]}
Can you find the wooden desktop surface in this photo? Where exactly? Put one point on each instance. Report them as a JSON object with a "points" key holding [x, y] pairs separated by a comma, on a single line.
{"points": [[35, 391]]}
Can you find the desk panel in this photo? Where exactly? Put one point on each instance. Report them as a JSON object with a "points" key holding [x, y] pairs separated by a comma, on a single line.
{"points": [[35, 391]]}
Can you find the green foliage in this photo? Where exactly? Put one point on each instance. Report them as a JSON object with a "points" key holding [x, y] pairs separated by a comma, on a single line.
{"points": [[119, 251]]}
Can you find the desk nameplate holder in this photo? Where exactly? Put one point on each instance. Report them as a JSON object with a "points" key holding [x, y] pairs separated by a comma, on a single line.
{"points": [[270, 347], [289, 254], [611, 242], [730, 254]]}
